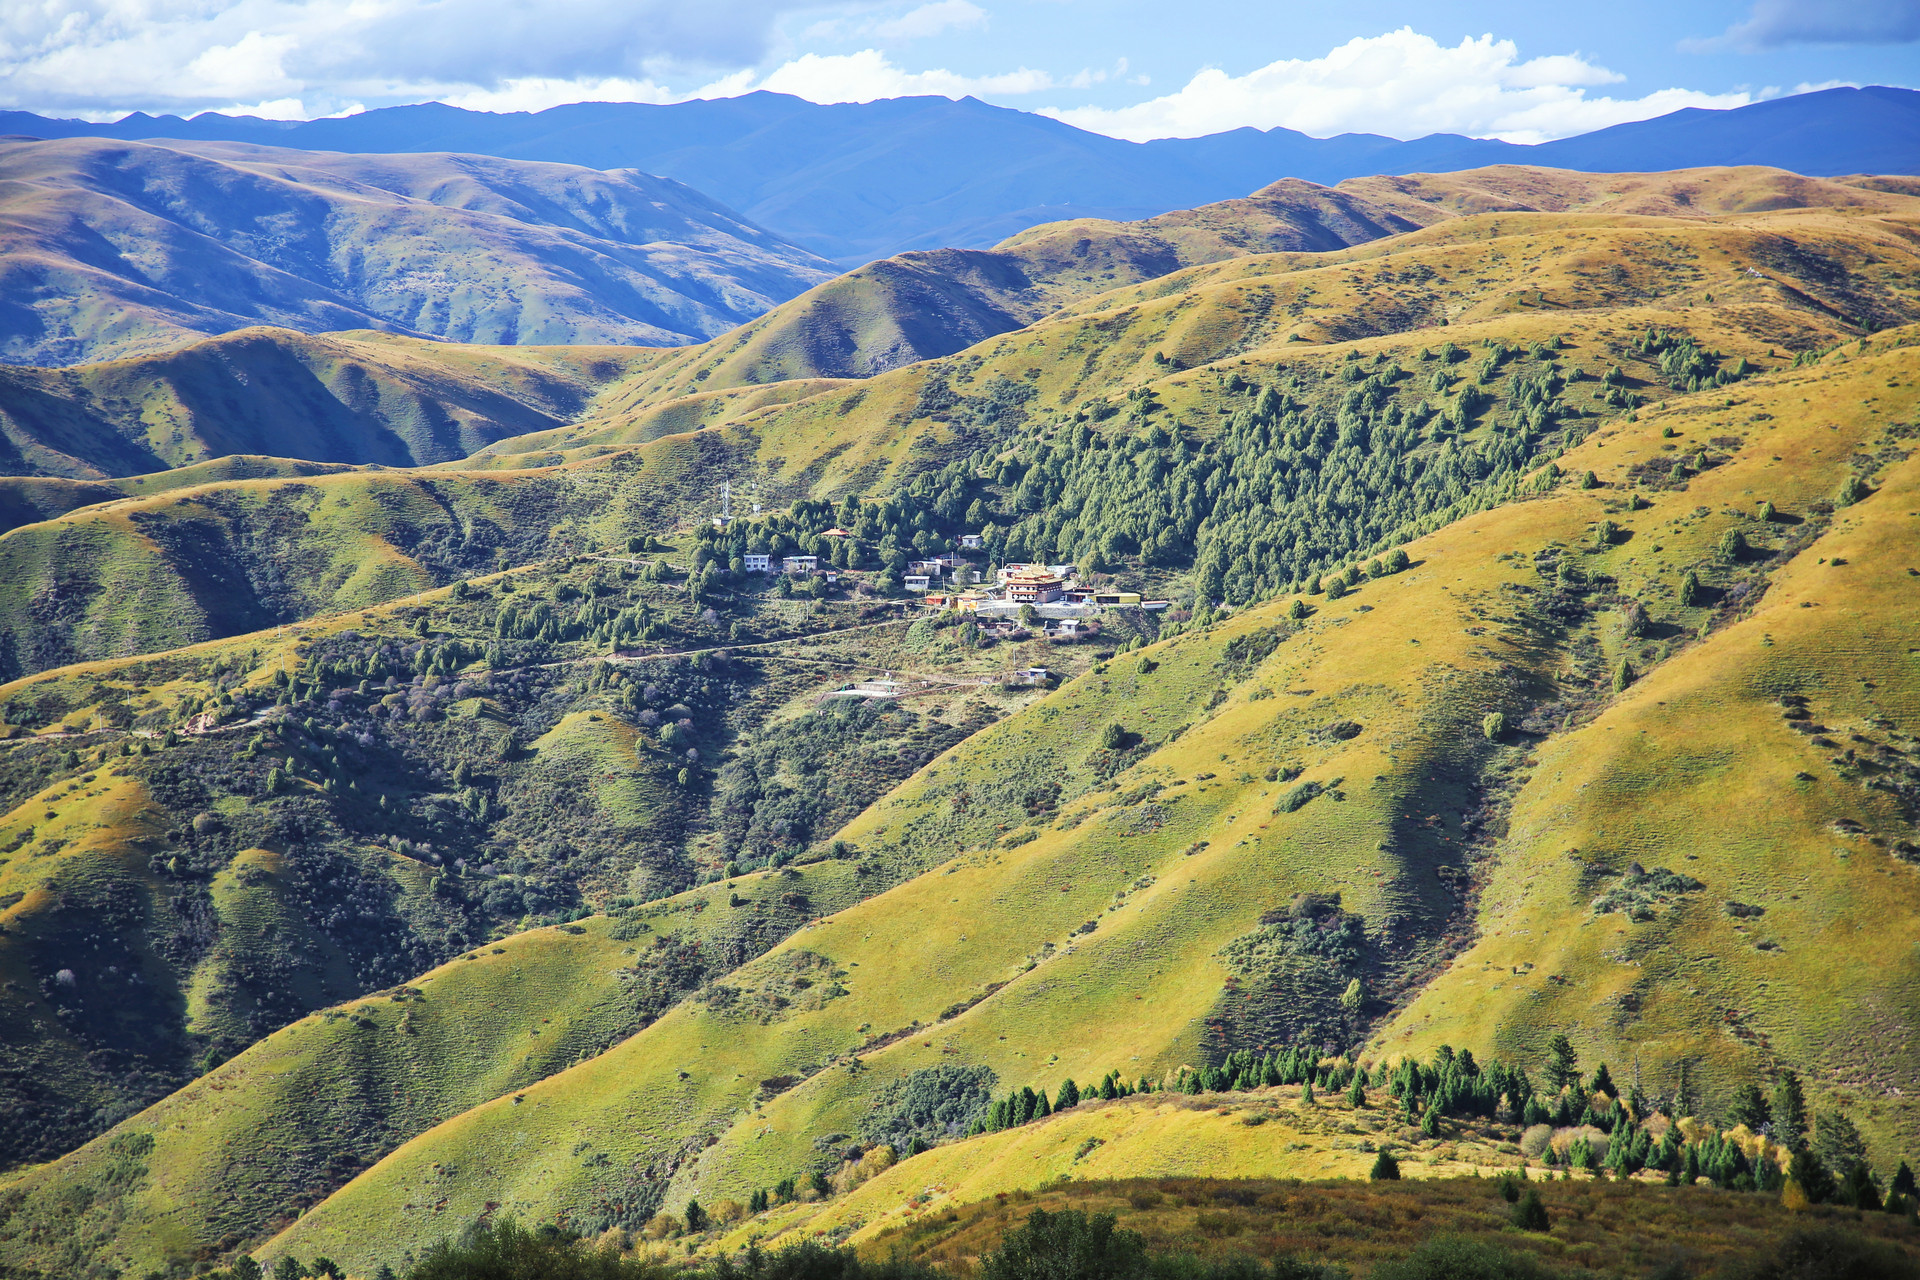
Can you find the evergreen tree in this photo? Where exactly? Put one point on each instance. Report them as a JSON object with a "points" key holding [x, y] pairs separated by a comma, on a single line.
{"points": [[1563, 1066], [1806, 1172], [1749, 1107], [1068, 1096], [1903, 1182], [1385, 1168], [1357, 1092], [1789, 1112], [1602, 1082], [696, 1216]]}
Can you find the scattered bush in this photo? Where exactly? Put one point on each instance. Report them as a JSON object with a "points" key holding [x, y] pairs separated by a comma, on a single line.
{"points": [[1068, 1245]]}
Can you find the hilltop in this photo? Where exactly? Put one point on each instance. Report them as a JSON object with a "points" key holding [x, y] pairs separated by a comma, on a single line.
{"points": [[851, 182], [121, 248]]}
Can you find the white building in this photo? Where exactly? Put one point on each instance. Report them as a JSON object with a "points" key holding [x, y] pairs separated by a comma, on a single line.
{"points": [[800, 564], [758, 564]]}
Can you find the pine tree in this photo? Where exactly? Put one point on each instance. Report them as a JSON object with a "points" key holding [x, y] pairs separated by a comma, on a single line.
{"points": [[1563, 1066], [1789, 1112], [1068, 1096], [1749, 1107], [1903, 1182], [1357, 1092], [1385, 1168]]}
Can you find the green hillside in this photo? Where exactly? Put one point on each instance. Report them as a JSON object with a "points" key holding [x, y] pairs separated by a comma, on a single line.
{"points": [[1410, 813], [342, 398], [257, 827], [1499, 551]]}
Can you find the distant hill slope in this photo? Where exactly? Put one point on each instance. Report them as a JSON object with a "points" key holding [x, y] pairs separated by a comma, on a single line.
{"points": [[921, 305], [115, 248], [1757, 287], [366, 398], [344, 398], [852, 182]]}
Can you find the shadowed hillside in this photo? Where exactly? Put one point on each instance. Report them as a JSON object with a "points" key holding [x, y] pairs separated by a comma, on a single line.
{"points": [[118, 248], [340, 398]]}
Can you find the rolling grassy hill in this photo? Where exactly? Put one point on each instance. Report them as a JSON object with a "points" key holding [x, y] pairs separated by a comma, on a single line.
{"points": [[1049, 896], [123, 248], [341, 398], [1419, 822], [1180, 846], [307, 838]]}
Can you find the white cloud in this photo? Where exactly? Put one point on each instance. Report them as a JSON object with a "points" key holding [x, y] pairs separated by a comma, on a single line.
{"points": [[537, 93], [1774, 23], [1402, 84], [931, 20], [184, 55], [867, 75]]}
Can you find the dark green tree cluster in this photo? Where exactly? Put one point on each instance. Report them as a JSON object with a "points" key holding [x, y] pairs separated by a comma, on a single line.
{"points": [[1684, 363], [1301, 476], [1027, 1104], [1251, 1069]]}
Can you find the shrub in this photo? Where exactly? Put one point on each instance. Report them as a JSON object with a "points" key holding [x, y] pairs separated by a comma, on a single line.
{"points": [[1068, 1245], [1824, 1254], [1114, 737], [1533, 1143], [1733, 545], [1529, 1214], [1453, 1258], [507, 1251], [1690, 589], [1588, 480], [1494, 725]]}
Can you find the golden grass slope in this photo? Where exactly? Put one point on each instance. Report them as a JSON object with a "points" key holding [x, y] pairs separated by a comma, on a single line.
{"points": [[916, 306], [921, 305], [1411, 661], [1762, 285], [244, 1148]]}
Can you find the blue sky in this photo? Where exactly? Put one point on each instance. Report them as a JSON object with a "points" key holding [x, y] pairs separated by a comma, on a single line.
{"points": [[1133, 68]]}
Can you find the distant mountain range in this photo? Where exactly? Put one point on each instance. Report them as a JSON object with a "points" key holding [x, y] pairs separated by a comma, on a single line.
{"points": [[115, 248], [858, 182]]}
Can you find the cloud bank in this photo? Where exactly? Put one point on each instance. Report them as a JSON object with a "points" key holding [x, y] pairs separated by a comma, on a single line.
{"points": [[1402, 84]]}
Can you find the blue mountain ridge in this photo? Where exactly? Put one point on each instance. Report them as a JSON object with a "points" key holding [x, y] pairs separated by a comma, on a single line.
{"points": [[856, 182]]}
